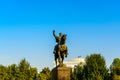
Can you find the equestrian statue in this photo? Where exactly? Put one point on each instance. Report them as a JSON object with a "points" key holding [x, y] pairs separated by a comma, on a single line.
{"points": [[60, 49]]}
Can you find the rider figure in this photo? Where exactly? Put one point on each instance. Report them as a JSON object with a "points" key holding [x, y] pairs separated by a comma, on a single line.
{"points": [[58, 39]]}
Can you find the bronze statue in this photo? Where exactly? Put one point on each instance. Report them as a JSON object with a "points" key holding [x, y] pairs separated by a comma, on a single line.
{"points": [[60, 48]]}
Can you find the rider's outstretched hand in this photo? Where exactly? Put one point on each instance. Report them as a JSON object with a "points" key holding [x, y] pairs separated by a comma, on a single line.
{"points": [[53, 31]]}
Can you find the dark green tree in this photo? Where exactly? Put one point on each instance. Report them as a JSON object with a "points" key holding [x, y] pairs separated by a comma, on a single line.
{"points": [[115, 69], [23, 71], [77, 73], [3, 73], [12, 71], [44, 74], [33, 74], [95, 68], [24, 68]]}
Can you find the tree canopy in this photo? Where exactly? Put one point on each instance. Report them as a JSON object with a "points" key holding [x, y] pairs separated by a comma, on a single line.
{"points": [[22, 71], [115, 69], [94, 69]]}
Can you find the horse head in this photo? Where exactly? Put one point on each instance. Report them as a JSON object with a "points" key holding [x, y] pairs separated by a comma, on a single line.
{"points": [[63, 39]]}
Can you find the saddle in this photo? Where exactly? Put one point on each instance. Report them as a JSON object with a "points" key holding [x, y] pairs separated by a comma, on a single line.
{"points": [[62, 47]]}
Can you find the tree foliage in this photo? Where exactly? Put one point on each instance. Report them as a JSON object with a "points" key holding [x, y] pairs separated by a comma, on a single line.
{"points": [[94, 69], [45, 74], [115, 69], [3, 73], [78, 72], [22, 71]]}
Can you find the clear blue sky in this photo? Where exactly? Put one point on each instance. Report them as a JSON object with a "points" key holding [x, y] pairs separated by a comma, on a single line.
{"points": [[92, 26]]}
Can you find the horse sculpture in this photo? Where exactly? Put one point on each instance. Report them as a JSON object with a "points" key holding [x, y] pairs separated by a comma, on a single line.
{"points": [[60, 51]]}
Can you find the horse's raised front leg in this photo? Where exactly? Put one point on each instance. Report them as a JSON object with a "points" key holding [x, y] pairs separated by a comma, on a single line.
{"points": [[62, 58], [59, 57], [55, 60]]}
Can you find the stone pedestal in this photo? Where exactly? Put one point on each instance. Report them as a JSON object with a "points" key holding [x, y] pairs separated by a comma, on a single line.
{"points": [[61, 73]]}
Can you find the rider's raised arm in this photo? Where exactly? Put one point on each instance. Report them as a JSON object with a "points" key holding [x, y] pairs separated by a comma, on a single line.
{"points": [[54, 33]]}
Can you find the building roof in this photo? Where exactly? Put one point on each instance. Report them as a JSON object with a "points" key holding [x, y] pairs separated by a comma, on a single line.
{"points": [[73, 62]]}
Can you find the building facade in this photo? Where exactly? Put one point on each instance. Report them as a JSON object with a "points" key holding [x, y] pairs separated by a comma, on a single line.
{"points": [[74, 62]]}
